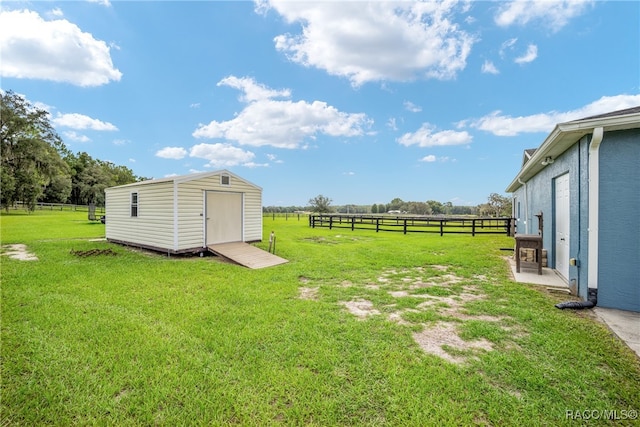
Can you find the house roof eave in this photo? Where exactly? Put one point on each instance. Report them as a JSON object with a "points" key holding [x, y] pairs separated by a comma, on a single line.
{"points": [[563, 136]]}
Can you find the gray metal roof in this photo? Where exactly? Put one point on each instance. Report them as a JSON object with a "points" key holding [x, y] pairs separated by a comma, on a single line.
{"points": [[632, 110], [564, 135]]}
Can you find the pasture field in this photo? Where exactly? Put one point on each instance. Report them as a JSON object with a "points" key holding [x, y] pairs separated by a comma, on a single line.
{"points": [[359, 328]]}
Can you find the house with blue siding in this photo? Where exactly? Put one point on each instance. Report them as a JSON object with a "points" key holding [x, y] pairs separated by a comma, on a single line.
{"points": [[585, 181]]}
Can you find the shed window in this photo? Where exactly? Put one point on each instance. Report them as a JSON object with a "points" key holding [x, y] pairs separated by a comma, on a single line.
{"points": [[224, 180], [134, 204]]}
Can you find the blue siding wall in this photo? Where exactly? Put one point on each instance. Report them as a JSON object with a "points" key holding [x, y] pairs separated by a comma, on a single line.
{"points": [[540, 197], [619, 221], [619, 216]]}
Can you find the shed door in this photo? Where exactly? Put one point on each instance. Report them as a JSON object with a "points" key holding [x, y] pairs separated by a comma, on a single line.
{"points": [[562, 225], [224, 217]]}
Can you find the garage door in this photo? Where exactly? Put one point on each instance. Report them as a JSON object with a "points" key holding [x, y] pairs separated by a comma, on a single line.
{"points": [[562, 225], [224, 217]]}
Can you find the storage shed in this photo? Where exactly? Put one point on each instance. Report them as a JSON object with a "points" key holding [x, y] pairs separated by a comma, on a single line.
{"points": [[585, 180], [184, 214]]}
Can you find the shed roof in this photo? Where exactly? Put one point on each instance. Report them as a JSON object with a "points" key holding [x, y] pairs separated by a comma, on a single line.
{"points": [[564, 135], [178, 179]]}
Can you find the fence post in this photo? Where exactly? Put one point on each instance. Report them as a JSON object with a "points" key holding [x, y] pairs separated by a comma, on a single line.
{"points": [[353, 223], [377, 224], [473, 227], [441, 227], [272, 241], [330, 222], [404, 227]]}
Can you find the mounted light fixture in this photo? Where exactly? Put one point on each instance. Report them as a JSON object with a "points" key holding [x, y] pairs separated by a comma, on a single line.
{"points": [[547, 161]]}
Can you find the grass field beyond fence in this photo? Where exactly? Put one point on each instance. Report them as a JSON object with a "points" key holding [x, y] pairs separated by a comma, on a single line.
{"points": [[359, 328]]}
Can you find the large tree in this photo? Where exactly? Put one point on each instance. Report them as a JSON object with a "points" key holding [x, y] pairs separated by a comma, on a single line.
{"points": [[320, 204], [30, 152], [499, 205], [91, 176]]}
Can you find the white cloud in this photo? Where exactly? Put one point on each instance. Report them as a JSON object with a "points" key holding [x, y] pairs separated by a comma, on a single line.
{"points": [[489, 68], [222, 155], [105, 3], [410, 106], [431, 159], [251, 90], [41, 106], [391, 123], [280, 123], [73, 136], [255, 165], [426, 137], [57, 50], [529, 56], [375, 41], [171, 153], [507, 46], [273, 158], [553, 14], [80, 121], [132, 160], [505, 125]]}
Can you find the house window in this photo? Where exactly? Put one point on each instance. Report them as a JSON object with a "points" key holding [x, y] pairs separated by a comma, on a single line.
{"points": [[134, 204], [224, 180]]}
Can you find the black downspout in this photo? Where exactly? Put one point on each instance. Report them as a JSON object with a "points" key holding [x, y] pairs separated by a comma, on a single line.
{"points": [[591, 301]]}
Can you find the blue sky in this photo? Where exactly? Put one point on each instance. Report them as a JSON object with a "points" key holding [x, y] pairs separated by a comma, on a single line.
{"points": [[359, 101]]}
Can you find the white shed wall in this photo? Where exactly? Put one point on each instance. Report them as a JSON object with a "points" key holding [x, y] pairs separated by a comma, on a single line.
{"points": [[171, 213], [154, 224]]}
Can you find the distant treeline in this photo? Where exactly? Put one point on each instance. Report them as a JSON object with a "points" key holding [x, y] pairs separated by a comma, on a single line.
{"points": [[496, 205]]}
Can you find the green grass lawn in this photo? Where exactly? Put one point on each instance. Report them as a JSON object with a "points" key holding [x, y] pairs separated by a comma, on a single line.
{"points": [[359, 328]]}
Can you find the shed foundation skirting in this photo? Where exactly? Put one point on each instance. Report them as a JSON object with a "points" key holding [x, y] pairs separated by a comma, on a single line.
{"points": [[157, 249], [190, 251]]}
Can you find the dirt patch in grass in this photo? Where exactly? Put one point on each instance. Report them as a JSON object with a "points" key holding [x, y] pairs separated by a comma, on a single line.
{"points": [[308, 293], [434, 339], [360, 308], [438, 311], [441, 313], [18, 251]]}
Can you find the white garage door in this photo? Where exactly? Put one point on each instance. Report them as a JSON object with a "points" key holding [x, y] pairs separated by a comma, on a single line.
{"points": [[224, 217]]}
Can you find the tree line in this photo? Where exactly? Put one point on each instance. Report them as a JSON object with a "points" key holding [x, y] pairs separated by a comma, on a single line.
{"points": [[36, 166], [496, 206]]}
